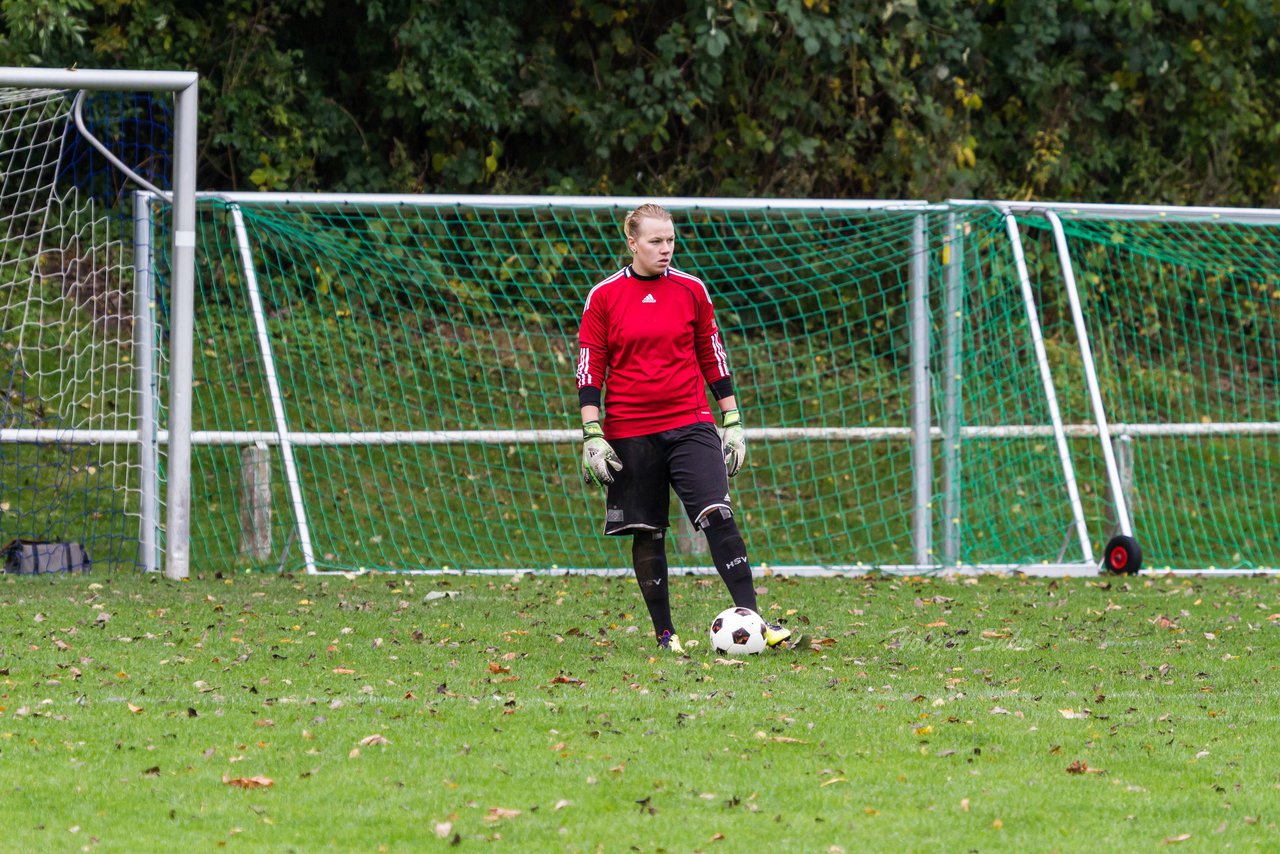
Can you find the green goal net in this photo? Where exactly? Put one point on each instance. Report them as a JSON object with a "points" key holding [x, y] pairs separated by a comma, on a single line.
{"points": [[1183, 314], [1009, 503]]}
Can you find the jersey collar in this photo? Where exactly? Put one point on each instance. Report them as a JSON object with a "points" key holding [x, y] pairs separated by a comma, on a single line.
{"points": [[633, 274]]}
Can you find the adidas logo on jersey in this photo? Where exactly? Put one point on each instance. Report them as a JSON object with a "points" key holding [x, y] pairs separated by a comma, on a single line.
{"points": [[648, 298]]}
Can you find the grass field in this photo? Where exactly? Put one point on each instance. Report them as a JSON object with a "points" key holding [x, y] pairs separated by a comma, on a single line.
{"points": [[377, 713]]}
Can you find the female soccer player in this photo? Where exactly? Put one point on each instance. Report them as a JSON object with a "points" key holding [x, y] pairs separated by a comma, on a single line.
{"points": [[649, 338]]}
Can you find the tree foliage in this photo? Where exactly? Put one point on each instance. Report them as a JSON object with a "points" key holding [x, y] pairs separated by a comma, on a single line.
{"points": [[1082, 99]]}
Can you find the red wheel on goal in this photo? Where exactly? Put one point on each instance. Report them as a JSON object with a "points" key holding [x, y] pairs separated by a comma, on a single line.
{"points": [[1122, 555]]}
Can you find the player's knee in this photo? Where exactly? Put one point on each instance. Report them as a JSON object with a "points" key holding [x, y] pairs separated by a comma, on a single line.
{"points": [[716, 516], [647, 544]]}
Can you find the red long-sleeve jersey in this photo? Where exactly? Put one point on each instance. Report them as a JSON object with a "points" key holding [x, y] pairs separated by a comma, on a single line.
{"points": [[653, 345]]}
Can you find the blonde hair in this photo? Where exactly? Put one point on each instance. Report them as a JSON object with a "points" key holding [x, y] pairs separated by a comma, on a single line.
{"points": [[631, 225]]}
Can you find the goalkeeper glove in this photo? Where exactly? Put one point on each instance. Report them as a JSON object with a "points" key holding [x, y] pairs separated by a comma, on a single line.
{"points": [[733, 441], [597, 456]]}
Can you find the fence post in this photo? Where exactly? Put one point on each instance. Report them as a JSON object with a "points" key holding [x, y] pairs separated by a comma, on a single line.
{"points": [[689, 540], [255, 502], [953, 343], [145, 334], [921, 412]]}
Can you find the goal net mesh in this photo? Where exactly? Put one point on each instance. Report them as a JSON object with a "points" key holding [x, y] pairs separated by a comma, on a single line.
{"points": [[67, 345], [1183, 316]]}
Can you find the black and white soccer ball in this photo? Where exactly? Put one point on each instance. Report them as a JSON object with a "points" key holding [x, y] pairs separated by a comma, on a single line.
{"points": [[737, 631]]}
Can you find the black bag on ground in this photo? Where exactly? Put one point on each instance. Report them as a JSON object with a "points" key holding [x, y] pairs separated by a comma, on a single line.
{"points": [[33, 557]]}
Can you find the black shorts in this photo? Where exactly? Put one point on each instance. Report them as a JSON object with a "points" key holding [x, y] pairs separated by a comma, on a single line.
{"points": [[686, 459]]}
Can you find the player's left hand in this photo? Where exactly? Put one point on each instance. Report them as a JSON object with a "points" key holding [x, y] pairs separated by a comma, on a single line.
{"points": [[733, 441]]}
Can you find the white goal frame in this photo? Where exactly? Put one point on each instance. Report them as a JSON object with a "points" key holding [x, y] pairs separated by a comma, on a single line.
{"points": [[184, 85]]}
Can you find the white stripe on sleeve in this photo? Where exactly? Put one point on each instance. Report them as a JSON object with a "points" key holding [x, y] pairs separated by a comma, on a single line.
{"points": [[722, 358]]}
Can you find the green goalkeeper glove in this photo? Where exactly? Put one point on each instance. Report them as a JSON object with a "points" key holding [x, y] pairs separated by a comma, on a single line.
{"points": [[597, 456], [733, 441]]}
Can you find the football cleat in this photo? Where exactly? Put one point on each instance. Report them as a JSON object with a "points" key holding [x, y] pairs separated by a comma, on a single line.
{"points": [[668, 640], [779, 636]]}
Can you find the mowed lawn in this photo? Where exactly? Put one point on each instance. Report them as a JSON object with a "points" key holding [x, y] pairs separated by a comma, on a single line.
{"points": [[395, 713]]}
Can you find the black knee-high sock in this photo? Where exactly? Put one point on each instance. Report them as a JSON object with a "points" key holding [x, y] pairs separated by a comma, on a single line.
{"points": [[649, 557], [730, 554]]}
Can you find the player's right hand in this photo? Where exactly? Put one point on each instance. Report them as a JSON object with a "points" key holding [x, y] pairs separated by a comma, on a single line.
{"points": [[733, 441], [597, 456]]}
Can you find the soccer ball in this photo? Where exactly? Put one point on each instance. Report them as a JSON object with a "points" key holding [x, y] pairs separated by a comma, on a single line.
{"points": [[737, 631]]}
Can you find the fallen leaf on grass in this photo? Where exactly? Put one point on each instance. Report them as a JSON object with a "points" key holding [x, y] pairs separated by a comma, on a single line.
{"points": [[495, 667], [443, 829], [1071, 714], [731, 662], [135, 709], [832, 781], [1082, 767], [376, 738], [1174, 840], [993, 635], [566, 680], [562, 803], [258, 782], [499, 813]]}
